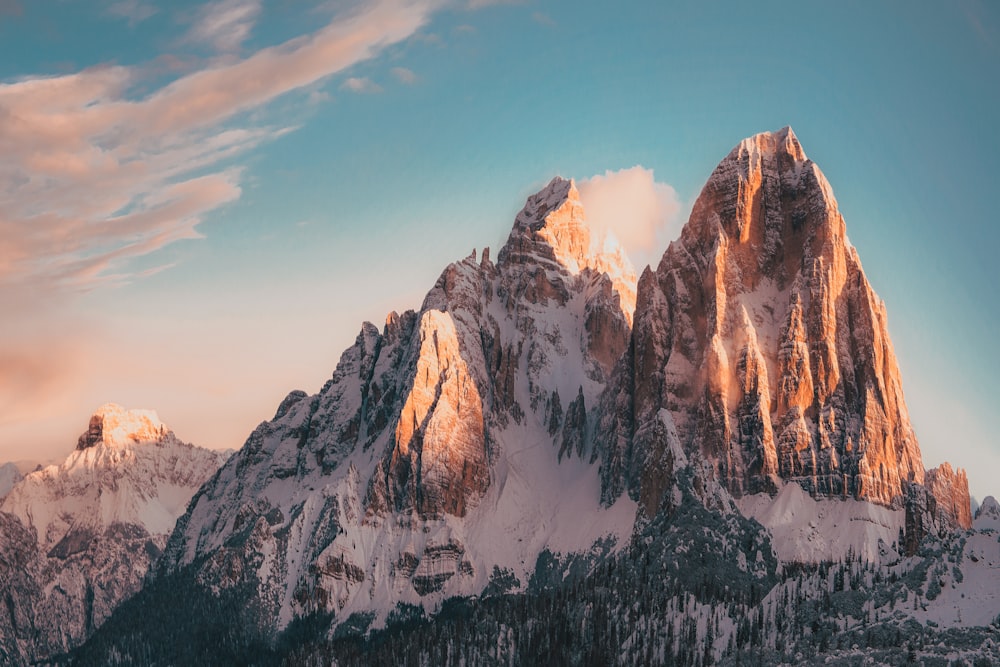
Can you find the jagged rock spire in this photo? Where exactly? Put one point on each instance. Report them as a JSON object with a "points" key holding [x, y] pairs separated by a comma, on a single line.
{"points": [[761, 336]]}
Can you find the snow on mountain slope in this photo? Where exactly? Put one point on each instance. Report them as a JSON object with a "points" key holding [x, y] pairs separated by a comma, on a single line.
{"points": [[453, 442], [90, 527], [808, 530], [128, 468]]}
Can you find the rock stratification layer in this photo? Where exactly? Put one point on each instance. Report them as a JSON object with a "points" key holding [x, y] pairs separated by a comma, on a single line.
{"points": [[761, 344]]}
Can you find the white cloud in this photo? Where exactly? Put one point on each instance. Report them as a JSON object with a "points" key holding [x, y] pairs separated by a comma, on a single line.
{"points": [[133, 11], [404, 75], [225, 24], [362, 84], [640, 212]]}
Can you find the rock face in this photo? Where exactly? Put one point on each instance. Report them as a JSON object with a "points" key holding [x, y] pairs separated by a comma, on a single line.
{"points": [[83, 534], [761, 337], [448, 428], [114, 426], [951, 489]]}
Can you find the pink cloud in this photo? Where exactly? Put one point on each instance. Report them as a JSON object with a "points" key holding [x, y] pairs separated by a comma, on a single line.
{"points": [[641, 212], [225, 24], [91, 177]]}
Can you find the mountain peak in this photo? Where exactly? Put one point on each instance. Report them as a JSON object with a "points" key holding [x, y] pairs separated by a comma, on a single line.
{"points": [[113, 425], [781, 142], [550, 230]]}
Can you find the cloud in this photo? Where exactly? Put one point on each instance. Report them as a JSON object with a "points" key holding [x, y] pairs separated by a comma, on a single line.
{"points": [[404, 75], [543, 19], [133, 11], [92, 176], [640, 212], [225, 24], [361, 85]]}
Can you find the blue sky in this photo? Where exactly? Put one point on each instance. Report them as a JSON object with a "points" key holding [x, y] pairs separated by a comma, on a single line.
{"points": [[275, 172]]}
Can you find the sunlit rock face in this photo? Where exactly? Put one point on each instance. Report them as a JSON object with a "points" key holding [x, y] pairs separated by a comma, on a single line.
{"points": [[761, 337], [444, 429], [114, 426], [84, 533], [951, 489]]}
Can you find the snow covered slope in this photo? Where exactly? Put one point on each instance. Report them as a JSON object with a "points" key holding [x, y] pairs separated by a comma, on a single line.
{"points": [[809, 530], [89, 528], [449, 445]]}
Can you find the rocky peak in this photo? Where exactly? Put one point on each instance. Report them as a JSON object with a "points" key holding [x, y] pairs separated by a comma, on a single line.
{"points": [[550, 228], [115, 426], [551, 234], [761, 336], [988, 514], [951, 489]]}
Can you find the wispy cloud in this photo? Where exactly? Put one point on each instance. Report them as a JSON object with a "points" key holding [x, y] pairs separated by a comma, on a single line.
{"points": [[404, 75], [542, 18], [133, 11], [360, 84], [91, 177], [225, 24]]}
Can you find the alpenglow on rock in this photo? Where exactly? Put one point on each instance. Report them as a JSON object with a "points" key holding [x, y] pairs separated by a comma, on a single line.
{"points": [[761, 342], [452, 442], [537, 412], [83, 534]]}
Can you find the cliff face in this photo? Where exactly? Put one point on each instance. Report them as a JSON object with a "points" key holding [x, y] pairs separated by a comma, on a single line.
{"points": [[456, 439], [951, 489], [83, 534], [760, 338]]}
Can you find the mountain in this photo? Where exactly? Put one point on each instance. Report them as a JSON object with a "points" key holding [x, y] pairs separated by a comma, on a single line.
{"points": [[595, 469], [9, 476], [451, 444], [82, 534]]}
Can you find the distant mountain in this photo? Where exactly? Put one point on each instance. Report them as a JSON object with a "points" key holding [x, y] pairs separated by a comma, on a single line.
{"points": [[82, 534], [9, 476], [553, 463]]}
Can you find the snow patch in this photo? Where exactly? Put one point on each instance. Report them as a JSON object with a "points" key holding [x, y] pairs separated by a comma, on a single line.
{"points": [[804, 529]]}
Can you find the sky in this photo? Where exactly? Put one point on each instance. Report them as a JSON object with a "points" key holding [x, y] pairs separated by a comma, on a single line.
{"points": [[201, 202]]}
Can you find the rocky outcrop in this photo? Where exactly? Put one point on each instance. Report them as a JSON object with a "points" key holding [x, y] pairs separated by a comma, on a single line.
{"points": [[761, 337], [83, 534], [113, 425], [951, 490]]}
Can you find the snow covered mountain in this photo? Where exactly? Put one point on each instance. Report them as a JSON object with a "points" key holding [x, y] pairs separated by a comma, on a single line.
{"points": [[451, 444], [697, 445], [83, 534]]}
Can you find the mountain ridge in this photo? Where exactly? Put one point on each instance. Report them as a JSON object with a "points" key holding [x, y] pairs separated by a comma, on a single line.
{"points": [[84, 533], [534, 426]]}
